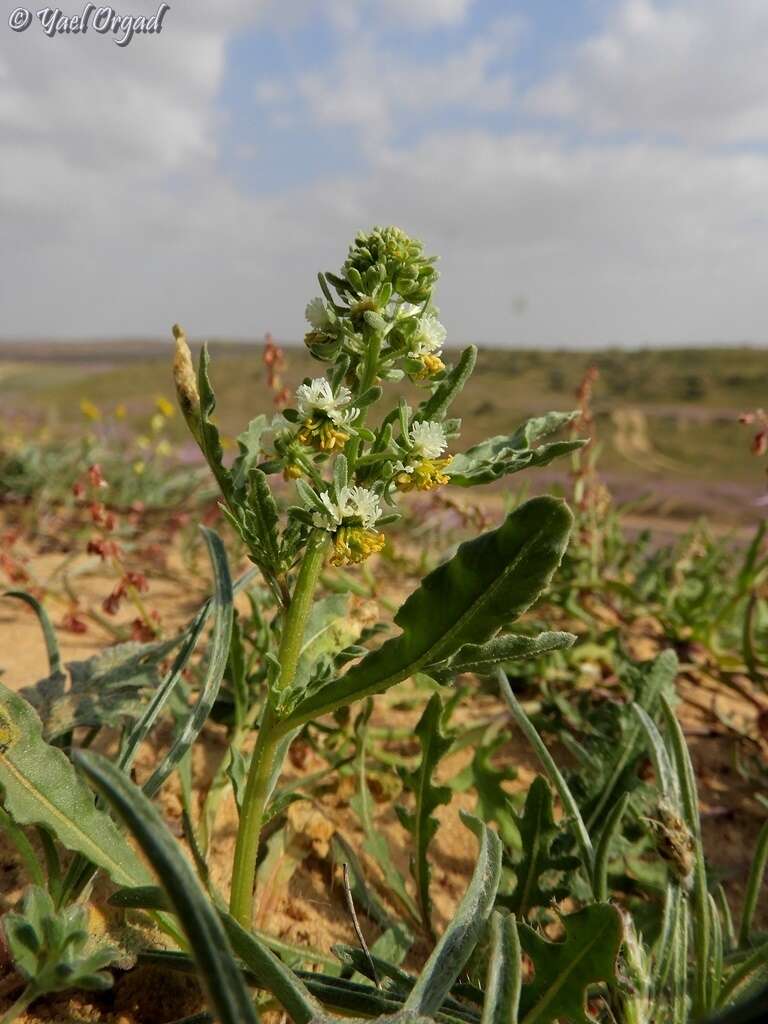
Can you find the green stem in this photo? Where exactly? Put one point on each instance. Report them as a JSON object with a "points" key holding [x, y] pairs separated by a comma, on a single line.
{"points": [[268, 742], [27, 996]]}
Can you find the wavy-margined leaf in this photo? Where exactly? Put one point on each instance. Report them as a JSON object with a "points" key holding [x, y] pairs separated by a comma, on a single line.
{"points": [[563, 971], [493, 802], [109, 688], [538, 830], [510, 647], [421, 822], [502, 455], [250, 453], [465, 928], [40, 787], [210, 441], [488, 583], [217, 970]]}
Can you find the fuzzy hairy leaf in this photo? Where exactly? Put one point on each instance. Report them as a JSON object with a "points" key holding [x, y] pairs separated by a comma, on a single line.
{"points": [[510, 647], [109, 688], [439, 401], [219, 974], [41, 788], [53, 949], [465, 928], [421, 822], [505, 969], [488, 583], [502, 455], [563, 971]]}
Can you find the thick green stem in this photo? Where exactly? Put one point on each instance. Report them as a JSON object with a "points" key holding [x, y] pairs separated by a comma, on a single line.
{"points": [[300, 607], [27, 996], [263, 768]]}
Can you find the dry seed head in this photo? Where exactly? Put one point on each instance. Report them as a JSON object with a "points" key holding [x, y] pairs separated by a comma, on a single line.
{"points": [[186, 381]]}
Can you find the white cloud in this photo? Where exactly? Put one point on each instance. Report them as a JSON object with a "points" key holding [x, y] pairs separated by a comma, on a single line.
{"points": [[370, 88], [118, 217], [690, 69]]}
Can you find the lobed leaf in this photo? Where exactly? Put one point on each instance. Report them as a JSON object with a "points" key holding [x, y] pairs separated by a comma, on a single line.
{"points": [[421, 822], [563, 971]]}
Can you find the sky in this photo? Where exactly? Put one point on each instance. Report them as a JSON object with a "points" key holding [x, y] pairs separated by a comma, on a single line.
{"points": [[590, 172]]}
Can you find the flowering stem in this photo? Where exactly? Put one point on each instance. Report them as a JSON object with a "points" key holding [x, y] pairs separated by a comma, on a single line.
{"points": [[263, 769]]}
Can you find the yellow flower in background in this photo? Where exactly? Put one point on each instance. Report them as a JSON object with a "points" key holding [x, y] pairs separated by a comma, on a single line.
{"points": [[139, 466], [157, 422], [165, 407], [143, 442], [163, 447], [89, 410], [120, 411]]}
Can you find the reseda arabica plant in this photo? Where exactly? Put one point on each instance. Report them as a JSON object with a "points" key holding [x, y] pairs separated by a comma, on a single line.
{"points": [[374, 323]]}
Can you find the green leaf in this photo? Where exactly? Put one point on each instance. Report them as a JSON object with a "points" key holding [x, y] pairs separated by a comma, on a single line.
{"points": [[510, 647], [421, 822], [465, 928], [49, 633], [563, 971], [375, 842], [210, 441], [488, 583], [505, 969], [217, 971], [41, 788], [493, 803], [438, 403], [109, 688], [500, 456], [249, 444], [52, 949], [538, 830], [221, 635]]}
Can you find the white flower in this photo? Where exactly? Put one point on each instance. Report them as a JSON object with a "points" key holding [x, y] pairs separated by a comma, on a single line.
{"points": [[429, 337], [405, 309], [317, 315], [351, 503], [428, 437], [318, 396]]}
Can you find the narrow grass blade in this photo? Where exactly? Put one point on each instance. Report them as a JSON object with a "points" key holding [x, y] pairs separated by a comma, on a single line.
{"points": [[49, 633], [754, 884], [217, 971], [217, 662], [690, 803], [603, 849], [553, 772]]}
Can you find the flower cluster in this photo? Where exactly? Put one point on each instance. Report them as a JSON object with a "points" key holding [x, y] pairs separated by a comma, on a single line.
{"points": [[383, 297], [326, 417], [381, 325], [350, 515]]}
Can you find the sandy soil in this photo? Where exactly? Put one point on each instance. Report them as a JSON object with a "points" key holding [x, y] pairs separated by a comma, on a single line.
{"points": [[302, 899]]}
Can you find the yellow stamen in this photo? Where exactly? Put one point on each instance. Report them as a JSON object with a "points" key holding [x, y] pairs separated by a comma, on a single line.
{"points": [[353, 544]]}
